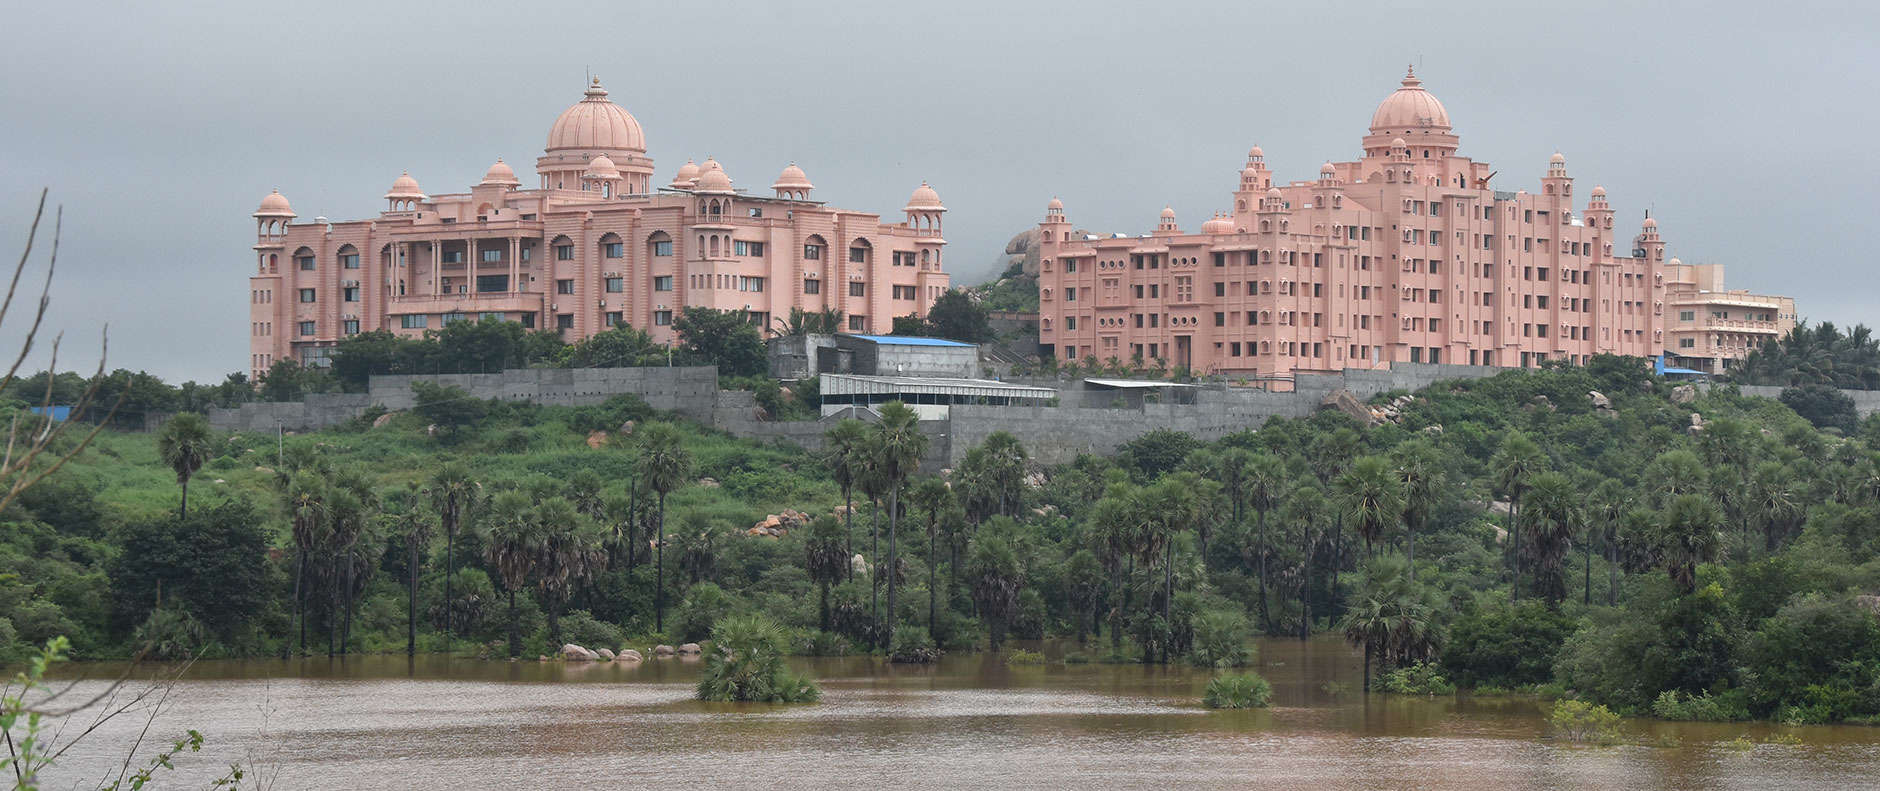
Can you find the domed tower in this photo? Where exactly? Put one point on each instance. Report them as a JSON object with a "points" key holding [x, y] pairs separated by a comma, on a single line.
{"points": [[601, 176], [1557, 183], [1599, 213], [924, 210], [272, 217], [793, 184], [1254, 179], [1414, 115], [686, 177], [595, 127], [404, 195], [1647, 245], [500, 175], [1165, 226]]}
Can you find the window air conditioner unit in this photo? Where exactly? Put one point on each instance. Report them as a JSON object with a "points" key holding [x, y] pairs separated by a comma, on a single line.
{"points": [[553, 306], [603, 303]]}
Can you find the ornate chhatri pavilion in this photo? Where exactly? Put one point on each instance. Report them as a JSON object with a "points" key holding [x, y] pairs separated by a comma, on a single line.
{"points": [[597, 241]]}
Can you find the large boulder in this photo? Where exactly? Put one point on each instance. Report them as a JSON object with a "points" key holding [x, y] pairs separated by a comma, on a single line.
{"points": [[1023, 250], [606, 654], [597, 439], [380, 421], [628, 655], [1347, 402], [689, 649], [662, 651], [1600, 401], [1683, 395], [859, 565], [575, 653]]}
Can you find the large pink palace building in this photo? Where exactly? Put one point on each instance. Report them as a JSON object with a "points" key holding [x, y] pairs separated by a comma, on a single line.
{"points": [[1407, 254], [594, 244]]}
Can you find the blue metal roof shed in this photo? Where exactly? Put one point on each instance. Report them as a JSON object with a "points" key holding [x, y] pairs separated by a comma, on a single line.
{"points": [[908, 340]]}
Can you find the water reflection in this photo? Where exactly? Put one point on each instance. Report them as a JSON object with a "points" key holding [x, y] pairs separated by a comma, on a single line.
{"points": [[970, 722]]}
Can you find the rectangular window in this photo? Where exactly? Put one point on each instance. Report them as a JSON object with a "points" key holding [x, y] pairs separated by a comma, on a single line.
{"points": [[1687, 343], [492, 284], [350, 293], [306, 329], [1070, 322], [1220, 319], [1070, 265], [662, 283], [564, 321], [492, 256], [612, 318], [528, 321], [491, 316], [613, 250], [858, 323], [1070, 295], [812, 286], [1155, 319], [350, 326], [308, 295], [910, 292], [663, 248], [306, 263], [564, 252], [349, 261], [616, 285], [453, 256], [858, 289], [858, 255], [526, 251], [564, 286], [812, 252], [662, 318], [752, 284], [451, 318], [1220, 289], [1155, 291], [416, 321], [748, 248]]}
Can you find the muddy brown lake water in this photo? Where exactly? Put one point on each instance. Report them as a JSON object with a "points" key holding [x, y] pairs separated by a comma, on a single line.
{"points": [[969, 722]]}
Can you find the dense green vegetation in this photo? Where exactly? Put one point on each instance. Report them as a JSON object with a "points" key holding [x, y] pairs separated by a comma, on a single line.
{"points": [[1714, 567], [1818, 355]]}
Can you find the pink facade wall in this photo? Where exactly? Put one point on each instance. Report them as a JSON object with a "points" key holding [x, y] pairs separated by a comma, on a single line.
{"points": [[1406, 254], [1710, 329], [593, 246]]}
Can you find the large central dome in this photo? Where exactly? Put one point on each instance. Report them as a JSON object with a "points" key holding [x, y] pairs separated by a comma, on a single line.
{"points": [[1410, 107], [596, 124]]}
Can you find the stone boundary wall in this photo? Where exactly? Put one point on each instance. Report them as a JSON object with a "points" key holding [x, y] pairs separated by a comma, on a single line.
{"points": [[1866, 402]]}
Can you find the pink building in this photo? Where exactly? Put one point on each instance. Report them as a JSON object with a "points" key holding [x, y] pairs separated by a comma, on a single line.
{"points": [[594, 243], [1711, 329], [1406, 254]]}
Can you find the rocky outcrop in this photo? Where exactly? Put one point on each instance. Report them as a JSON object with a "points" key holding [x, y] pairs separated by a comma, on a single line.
{"points": [[597, 439], [380, 421], [1684, 395], [1602, 406], [690, 649], [860, 566], [628, 655], [779, 525], [575, 653], [1022, 250], [1347, 402], [1541, 402], [662, 651], [605, 654]]}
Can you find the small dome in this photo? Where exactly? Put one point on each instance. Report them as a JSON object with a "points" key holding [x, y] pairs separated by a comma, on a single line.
{"points": [[500, 174], [1218, 225], [1256, 153], [792, 178], [601, 167], [404, 188], [1249, 173], [1328, 169], [275, 205], [710, 164], [1557, 159], [1398, 142], [1598, 191], [1055, 205], [923, 198], [1168, 213], [713, 180], [1410, 107], [686, 177], [595, 122], [1675, 261], [1650, 223], [1273, 192]]}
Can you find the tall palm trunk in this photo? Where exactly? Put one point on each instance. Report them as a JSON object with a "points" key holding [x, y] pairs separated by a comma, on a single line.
{"points": [[1588, 600], [1338, 555], [450, 570], [1612, 577], [848, 528], [933, 577], [515, 641], [1367, 667], [633, 522], [411, 612], [1514, 538], [1266, 617], [345, 638], [1168, 599], [659, 571], [824, 617], [1305, 589], [300, 598], [1116, 610], [183, 513], [874, 579], [1410, 548], [894, 515]]}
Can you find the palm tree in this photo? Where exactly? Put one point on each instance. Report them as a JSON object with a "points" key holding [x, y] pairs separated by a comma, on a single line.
{"points": [[567, 556], [698, 548], [1551, 515], [1329, 455], [1420, 471], [415, 525], [1776, 502], [306, 505], [1391, 618], [1173, 506], [452, 491], [996, 577], [1007, 457], [346, 517], [1674, 473], [1517, 459], [1305, 508], [1115, 519], [1688, 536], [1260, 479], [666, 464], [1605, 511], [825, 558], [625, 522], [842, 452], [896, 450], [617, 517], [185, 445], [511, 547], [1083, 582], [931, 496], [1372, 498], [584, 491]]}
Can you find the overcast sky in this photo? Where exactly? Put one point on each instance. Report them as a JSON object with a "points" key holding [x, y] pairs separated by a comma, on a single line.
{"points": [[1746, 128]]}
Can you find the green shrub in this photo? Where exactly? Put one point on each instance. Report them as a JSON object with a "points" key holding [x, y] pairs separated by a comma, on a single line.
{"points": [[746, 663], [1076, 658], [1024, 657], [1705, 707], [1248, 691], [1579, 721], [913, 646], [583, 629], [1418, 679], [1221, 640]]}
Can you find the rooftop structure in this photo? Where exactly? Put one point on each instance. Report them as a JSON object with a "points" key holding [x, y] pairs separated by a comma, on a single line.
{"points": [[930, 397], [595, 241], [1405, 254], [1710, 329]]}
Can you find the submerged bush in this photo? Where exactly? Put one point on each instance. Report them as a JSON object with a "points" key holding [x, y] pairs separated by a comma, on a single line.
{"points": [[1024, 657], [1418, 679], [1579, 721], [1249, 691], [1221, 640], [746, 664], [1728, 706], [912, 646]]}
